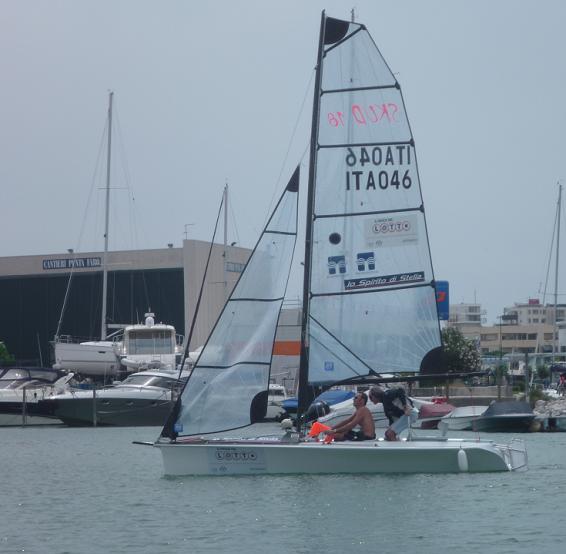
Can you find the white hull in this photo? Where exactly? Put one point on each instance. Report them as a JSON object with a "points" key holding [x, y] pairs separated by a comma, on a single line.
{"points": [[87, 358], [229, 457], [461, 419]]}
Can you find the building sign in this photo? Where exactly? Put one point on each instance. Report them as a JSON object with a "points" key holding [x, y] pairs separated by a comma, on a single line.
{"points": [[72, 263], [442, 299]]}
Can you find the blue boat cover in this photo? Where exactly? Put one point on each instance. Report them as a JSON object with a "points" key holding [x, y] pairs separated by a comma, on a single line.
{"points": [[330, 397]]}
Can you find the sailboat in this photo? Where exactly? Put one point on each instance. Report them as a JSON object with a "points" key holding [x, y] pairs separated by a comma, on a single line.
{"points": [[98, 357], [368, 293], [130, 348]]}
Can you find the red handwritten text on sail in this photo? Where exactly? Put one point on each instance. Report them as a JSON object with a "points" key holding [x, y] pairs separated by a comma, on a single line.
{"points": [[361, 115]]}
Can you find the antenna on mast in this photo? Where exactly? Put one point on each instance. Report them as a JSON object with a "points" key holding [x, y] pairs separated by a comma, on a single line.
{"points": [[353, 12]]}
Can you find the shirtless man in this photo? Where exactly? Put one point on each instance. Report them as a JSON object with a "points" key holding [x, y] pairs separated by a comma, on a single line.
{"points": [[343, 431]]}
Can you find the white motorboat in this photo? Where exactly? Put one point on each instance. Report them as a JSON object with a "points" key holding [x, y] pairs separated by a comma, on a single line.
{"points": [[276, 394], [22, 388], [142, 399], [89, 358], [462, 418], [147, 345], [369, 298], [150, 346]]}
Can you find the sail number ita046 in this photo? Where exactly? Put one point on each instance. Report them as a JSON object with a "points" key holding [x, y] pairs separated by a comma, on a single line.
{"points": [[378, 167]]}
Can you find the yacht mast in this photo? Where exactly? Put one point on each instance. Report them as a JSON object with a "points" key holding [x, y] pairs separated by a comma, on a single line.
{"points": [[107, 210], [555, 331], [225, 240]]}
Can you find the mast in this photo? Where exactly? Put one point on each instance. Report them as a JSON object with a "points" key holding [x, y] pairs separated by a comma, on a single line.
{"points": [[224, 256], [555, 331], [106, 220], [304, 397]]}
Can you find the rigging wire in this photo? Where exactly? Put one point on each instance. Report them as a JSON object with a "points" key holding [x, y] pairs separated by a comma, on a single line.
{"points": [[550, 257], [197, 306], [236, 234], [291, 142], [132, 207], [82, 229]]}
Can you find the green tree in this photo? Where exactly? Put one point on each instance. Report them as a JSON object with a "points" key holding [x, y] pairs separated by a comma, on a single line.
{"points": [[5, 356], [461, 355]]}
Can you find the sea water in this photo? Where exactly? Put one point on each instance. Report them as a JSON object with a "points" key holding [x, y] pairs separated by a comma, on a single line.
{"points": [[91, 490]]}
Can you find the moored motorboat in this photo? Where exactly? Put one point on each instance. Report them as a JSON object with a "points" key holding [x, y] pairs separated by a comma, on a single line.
{"points": [[431, 413], [142, 399], [505, 416], [461, 418], [275, 398], [22, 388]]}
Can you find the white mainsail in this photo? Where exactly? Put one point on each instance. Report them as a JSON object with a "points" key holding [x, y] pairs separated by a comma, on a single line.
{"points": [[371, 296]]}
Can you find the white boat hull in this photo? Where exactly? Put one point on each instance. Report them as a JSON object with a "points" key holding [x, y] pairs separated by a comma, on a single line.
{"points": [[225, 457], [461, 419], [97, 358]]}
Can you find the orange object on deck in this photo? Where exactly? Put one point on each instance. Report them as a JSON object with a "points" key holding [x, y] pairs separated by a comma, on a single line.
{"points": [[318, 428]]}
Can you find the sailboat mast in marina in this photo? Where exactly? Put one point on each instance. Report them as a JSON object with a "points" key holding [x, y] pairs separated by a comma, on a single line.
{"points": [[92, 357], [103, 328], [369, 303]]}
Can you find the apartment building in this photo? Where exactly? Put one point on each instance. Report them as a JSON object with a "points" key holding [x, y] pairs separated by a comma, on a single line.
{"points": [[523, 328]]}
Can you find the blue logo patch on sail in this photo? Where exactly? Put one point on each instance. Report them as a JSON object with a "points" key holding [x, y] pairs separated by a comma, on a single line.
{"points": [[178, 427], [384, 281], [336, 264], [365, 261], [328, 366]]}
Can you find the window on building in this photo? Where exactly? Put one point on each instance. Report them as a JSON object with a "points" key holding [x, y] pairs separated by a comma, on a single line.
{"points": [[235, 267]]}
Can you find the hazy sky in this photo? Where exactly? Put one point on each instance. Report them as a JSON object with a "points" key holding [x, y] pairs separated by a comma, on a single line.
{"points": [[212, 91]]}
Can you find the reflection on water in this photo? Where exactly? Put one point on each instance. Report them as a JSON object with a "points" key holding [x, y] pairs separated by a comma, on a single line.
{"points": [[93, 491]]}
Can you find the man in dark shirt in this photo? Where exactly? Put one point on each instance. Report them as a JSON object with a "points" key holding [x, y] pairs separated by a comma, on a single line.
{"points": [[395, 406]]}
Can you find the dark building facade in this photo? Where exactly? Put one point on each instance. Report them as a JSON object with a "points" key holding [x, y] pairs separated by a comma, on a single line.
{"points": [[32, 306], [165, 281]]}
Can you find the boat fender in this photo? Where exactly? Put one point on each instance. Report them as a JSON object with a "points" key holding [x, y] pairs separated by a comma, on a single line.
{"points": [[462, 460]]}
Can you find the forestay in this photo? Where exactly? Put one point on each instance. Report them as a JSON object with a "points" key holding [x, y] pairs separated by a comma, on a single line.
{"points": [[371, 283], [227, 388]]}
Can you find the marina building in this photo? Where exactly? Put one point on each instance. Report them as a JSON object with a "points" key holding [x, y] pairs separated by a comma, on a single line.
{"points": [[166, 281]]}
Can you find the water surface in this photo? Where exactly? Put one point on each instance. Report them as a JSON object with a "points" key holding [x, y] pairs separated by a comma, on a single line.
{"points": [[92, 491]]}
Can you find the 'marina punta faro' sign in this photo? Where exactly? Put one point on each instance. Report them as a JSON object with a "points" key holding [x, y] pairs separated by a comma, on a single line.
{"points": [[72, 263]]}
